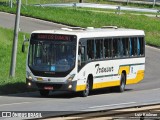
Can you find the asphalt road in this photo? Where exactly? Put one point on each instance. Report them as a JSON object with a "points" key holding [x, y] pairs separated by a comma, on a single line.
{"points": [[27, 24], [146, 92]]}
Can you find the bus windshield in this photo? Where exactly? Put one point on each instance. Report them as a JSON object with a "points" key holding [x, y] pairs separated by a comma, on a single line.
{"points": [[52, 56]]}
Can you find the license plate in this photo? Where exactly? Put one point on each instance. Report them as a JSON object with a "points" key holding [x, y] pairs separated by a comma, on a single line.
{"points": [[48, 88], [39, 79]]}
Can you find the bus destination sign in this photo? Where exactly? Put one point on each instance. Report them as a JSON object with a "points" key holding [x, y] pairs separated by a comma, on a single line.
{"points": [[51, 37]]}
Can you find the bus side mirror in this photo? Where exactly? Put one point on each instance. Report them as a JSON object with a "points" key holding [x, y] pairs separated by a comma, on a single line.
{"points": [[23, 44]]}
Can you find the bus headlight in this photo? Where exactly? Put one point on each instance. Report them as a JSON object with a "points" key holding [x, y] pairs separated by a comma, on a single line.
{"points": [[29, 76], [71, 77], [70, 86]]}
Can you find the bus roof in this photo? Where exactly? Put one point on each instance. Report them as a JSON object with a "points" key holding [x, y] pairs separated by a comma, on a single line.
{"points": [[94, 32]]}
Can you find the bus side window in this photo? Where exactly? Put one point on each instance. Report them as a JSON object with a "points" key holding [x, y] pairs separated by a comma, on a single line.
{"points": [[101, 49], [120, 48], [133, 47], [98, 49], [141, 46], [107, 48], [138, 46], [115, 47], [125, 47], [90, 49], [130, 47]]}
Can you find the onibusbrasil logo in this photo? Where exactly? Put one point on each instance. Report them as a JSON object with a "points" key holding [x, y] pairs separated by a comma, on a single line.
{"points": [[21, 114]]}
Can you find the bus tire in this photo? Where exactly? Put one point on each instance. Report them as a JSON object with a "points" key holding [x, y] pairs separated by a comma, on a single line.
{"points": [[44, 93], [121, 88], [85, 93]]}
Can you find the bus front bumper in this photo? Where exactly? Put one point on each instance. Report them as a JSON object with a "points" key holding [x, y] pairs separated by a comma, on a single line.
{"points": [[69, 86]]}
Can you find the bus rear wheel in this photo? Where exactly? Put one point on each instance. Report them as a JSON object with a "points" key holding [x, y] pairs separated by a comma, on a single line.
{"points": [[44, 93], [121, 88]]}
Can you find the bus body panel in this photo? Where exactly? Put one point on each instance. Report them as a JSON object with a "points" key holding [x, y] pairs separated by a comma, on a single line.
{"points": [[111, 71]]}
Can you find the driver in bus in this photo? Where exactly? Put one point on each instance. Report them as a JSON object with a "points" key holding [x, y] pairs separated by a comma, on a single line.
{"points": [[71, 57]]}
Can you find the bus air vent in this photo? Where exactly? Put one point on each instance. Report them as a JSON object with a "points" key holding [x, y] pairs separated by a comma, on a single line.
{"points": [[105, 27], [89, 28], [73, 29]]}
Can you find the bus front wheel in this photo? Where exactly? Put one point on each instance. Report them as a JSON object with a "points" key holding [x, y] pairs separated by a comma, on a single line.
{"points": [[44, 93], [85, 93]]}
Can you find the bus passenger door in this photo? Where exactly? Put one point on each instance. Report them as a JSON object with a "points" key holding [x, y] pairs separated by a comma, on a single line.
{"points": [[81, 77]]}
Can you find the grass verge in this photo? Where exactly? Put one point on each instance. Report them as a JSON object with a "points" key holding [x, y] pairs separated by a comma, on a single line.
{"points": [[11, 85]]}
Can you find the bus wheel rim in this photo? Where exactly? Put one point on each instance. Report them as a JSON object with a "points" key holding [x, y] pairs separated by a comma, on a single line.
{"points": [[87, 89]]}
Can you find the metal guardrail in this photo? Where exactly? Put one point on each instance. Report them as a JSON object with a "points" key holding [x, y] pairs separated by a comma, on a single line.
{"points": [[118, 8], [149, 2]]}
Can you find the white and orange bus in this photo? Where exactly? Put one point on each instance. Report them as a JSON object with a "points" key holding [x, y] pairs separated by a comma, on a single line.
{"points": [[80, 60]]}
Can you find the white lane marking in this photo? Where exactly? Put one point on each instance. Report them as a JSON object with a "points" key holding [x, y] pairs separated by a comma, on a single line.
{"points": [[112, 105], [14, 104], [156, 89]]}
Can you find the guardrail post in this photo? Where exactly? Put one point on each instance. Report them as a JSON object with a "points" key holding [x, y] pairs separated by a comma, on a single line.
{"points": [[157, 13], [118, 10], [26, 2], [75, 5], [127, 2], [154, 3], [11, 3]]}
